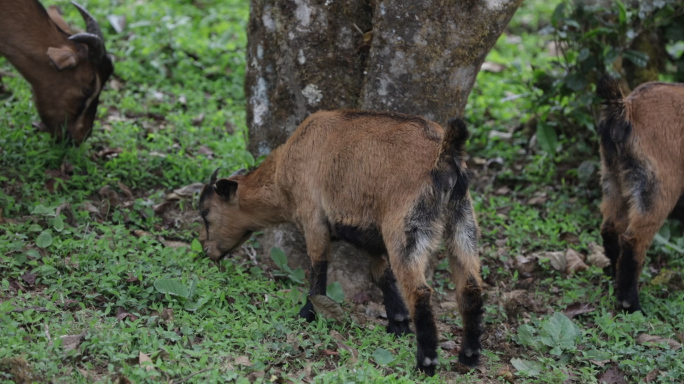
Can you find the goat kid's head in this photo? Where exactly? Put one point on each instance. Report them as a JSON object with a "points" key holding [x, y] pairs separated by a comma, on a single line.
{"points": [[67, 103], [226, 226]]}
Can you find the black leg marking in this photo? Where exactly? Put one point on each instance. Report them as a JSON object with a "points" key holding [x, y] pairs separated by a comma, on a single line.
{"points": [[627, 278], [472, 312], [318, 282], [612, 246], [397, 314], [426, 332]]}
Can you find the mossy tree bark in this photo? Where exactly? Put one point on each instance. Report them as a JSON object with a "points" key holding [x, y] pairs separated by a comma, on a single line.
{"points": [[416, 57]]}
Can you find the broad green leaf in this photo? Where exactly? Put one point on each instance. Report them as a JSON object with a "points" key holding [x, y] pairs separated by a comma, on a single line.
{"points": [[546, 137], [558, 14], [193, 306], [640, 59], [383, 356], [526, 367], [576, 81], [526, 336], [335, 292], [44, 240], [42, 210], [34, 253], [559, 333], [172, 287], [298, 275], [58, 223], [279, 257], [196, 246]]}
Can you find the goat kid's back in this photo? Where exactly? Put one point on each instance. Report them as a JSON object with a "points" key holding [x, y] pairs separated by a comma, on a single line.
{"points": [[359, 166], [642, 137]]}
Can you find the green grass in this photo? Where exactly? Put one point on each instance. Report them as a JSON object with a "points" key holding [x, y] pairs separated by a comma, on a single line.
{"points": [[100, 267]]}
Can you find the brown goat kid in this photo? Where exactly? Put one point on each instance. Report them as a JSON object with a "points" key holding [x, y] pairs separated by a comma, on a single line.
{"points": [[67, 72], [642, 136], [391, 184]]}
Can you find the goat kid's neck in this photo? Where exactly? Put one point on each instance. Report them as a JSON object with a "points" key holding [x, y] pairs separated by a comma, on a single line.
{"points": [[259, 194]]}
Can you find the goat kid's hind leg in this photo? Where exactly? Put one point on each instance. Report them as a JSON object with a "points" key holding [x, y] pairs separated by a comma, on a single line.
{"points": [[634, 243], [614, 209], [462, 236], [318, 248], [398, 318], [408, 264]]}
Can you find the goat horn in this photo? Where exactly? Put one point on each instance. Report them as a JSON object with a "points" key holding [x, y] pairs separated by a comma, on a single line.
{"points": [[92, 37], [212, 181], [91, 24]]}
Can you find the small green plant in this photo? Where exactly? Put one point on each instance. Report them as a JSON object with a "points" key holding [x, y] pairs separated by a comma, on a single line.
{"points": [[280, 259]]}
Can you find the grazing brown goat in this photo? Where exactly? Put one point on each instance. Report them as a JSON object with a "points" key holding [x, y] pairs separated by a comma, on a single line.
{"points": [[391, 184], [642, 137], [67, 72]]}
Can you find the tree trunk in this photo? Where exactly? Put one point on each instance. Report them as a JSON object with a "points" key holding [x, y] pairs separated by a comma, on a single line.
{"points": [[415, 57]]}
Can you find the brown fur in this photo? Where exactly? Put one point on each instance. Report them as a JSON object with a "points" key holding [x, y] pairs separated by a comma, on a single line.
{"points": [[641, 150], [395, 184], [66, 83]]}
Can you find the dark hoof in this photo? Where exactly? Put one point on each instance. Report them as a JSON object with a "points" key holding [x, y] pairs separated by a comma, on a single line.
{"points": [[469, 358], [307, 312], [427, 369], [628, 307], [399, 328]]}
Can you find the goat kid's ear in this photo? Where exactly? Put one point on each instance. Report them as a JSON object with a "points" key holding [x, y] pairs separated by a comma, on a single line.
{"points": [[226, 188], [62, 58]]}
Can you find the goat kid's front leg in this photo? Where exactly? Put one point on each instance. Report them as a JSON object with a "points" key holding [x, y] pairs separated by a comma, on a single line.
{"points": [[398, 319], [318, 248]]}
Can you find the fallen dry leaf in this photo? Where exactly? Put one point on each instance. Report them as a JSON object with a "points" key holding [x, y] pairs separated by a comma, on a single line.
{"points": [[327, 307], [110, 195], [576, 309], [574, 262], [167, 314], [141, 233], [597, 256], [117, 22], [341, 345], [173, 243], [570, 238], [657, 340], [186, 192], [505, 373], [652, 376], [557, 260], [29, 278], [525, 264], [243, 360], [71, 342], [448, 345], [126, 191], [109, 153], [327, 352], [145, 362], [612, 375]]}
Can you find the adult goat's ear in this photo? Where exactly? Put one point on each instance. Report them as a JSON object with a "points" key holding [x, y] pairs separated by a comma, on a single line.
{"points": [[226, 188], [62, 58]]}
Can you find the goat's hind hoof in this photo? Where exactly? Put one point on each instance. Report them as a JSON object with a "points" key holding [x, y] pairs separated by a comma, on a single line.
{"points": [[469, 358], [307, 313], [427, 366], [399, 328]]}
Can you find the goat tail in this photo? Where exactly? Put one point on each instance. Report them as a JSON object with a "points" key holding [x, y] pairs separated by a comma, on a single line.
{"points": [[615, 125], [450, 172], [455, 137]]}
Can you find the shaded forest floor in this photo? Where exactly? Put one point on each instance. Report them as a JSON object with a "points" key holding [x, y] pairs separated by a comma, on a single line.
{"points": [[101, 278]]}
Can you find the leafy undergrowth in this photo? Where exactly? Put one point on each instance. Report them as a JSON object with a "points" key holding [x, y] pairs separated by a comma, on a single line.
{"points": [[101, 277]]}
